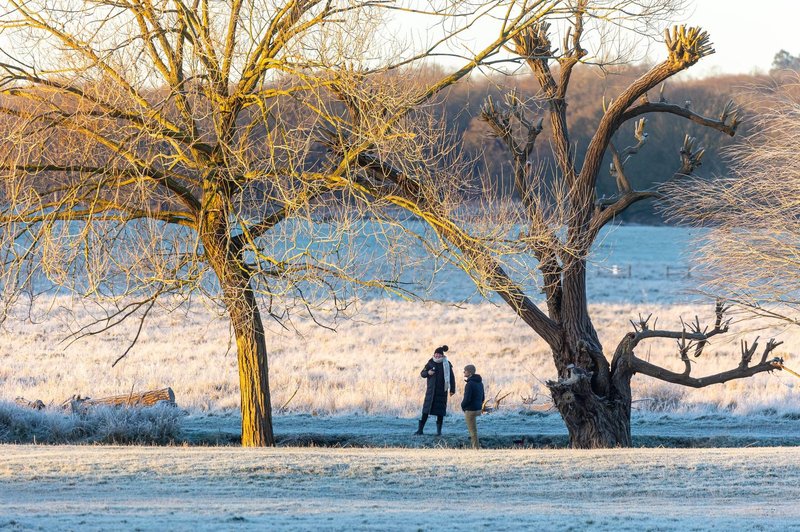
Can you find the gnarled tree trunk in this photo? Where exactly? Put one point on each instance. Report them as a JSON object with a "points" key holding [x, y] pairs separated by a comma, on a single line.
{"points": [[593, 422], [596, 414], [595, 405]]}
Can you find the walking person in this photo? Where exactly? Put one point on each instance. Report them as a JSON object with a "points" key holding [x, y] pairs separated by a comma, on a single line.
{"points": [[441, 383], [472, 404]]}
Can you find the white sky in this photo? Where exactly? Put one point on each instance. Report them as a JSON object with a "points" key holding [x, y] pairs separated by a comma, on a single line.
{"points": [[746, 33]]}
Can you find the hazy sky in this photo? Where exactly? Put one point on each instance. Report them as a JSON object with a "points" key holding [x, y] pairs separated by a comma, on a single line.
{"points": [[746, 33]]}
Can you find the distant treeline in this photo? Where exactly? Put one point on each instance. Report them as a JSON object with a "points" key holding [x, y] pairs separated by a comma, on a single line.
{"points": [[658, 159], [486, 157]]}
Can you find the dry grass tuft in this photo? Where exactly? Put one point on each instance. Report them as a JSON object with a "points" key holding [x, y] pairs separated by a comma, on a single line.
{"points": [[157, 425]]}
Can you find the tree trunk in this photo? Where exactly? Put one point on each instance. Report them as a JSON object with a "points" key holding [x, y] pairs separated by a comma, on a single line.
{"points": [[593, 422], [235, 278], [594, 404], [251, 349], [252, 358]]}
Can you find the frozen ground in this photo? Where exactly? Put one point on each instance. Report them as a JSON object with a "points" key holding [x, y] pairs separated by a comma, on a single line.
{"points": [[107, 488], [345, 405], [521, 429], [370, 365]]}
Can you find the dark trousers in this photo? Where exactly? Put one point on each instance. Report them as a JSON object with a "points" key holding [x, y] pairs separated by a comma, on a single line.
{"points": [[424, 419]]}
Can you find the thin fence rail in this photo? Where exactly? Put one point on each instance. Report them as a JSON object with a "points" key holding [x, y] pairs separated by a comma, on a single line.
{"points": [[625, 271]]}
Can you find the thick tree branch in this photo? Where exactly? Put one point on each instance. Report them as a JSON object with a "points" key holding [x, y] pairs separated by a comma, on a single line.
{"points": [[692, 338], [610, 208], [573, 50], [646, 368], [534, 45], [478, 258], [619, 160], [728, 123], [617, 170], [546, 248], [607, 209], [686, 46], [642, 330], [501, 121], [167, 180]]}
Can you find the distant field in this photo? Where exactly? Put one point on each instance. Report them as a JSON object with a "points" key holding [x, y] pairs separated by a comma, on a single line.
{"points": [[370, 365], [114, 488]]}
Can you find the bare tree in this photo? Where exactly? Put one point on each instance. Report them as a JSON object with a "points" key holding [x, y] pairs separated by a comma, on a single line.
{"points": [[749, 252], [551, 224], [157, 148]]}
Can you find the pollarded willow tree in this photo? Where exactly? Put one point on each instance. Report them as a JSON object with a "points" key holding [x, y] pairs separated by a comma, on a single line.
{"points": [[559, 218], [163, 148], [749, 253]]}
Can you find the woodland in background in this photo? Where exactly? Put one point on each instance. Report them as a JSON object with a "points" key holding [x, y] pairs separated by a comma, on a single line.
{"points": [[459, 108], [462, 105]]}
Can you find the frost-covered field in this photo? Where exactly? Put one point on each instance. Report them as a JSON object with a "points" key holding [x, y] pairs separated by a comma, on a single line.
{"points": [[123, 488], [370, 365], [359, 387]]}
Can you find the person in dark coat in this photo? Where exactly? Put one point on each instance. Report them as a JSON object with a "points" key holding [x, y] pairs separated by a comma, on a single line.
{"points": [[472, 404], [441, 380]]}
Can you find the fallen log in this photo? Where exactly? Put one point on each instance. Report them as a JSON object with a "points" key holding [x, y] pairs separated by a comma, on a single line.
{"points": [[132, 400], [150, 398], [36, 405]]}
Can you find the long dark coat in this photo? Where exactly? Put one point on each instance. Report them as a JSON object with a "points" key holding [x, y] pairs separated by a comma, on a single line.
{"points": [[436, 396]]}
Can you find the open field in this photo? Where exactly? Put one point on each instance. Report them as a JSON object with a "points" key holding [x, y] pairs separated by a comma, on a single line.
{"points": [[369, 365], [103, 488], [345, 406]]}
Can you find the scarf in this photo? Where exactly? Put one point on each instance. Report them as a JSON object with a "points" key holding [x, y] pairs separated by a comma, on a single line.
{"points": [[446, 370]]}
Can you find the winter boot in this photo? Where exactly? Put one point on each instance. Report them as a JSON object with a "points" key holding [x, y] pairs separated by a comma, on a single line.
{"points": [[438, 428], [420, 426]]}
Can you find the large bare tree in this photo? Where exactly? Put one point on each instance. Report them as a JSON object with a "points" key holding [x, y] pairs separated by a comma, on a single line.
{"points": [[541, 240], [154, 148], [165, 147], [749, 253]]}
